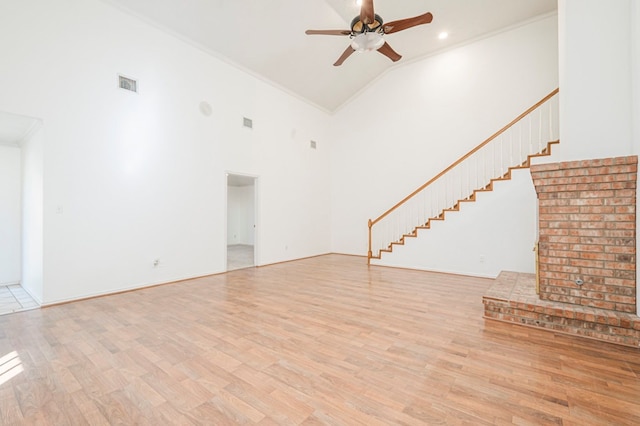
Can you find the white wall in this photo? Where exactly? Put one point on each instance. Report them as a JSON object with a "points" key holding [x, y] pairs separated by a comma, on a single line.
{"points": [[132, 178], [240, 214], [596, 78], [32, 148], [419, 118], [10, 215], [599, 80], [493, 234], [635, 73], [129, 178], [635, 76]]}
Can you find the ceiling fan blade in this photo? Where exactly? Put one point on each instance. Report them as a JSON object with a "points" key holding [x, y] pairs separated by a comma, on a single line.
{"points": [[328, 32], [344, 56], [367, 15], [387, 51], [403, 24]]}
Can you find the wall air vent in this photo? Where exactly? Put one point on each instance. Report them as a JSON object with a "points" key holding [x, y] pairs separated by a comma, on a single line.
{"points": [[127, 83], [247, 122]]}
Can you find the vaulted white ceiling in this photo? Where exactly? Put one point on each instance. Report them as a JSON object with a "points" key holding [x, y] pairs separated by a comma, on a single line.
{"points": [[266, 37]]}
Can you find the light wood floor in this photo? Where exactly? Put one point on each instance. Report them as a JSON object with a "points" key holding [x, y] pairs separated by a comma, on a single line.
{"points": [[325, 340]]}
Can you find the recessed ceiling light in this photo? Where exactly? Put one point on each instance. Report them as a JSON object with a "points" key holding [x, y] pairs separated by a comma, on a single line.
{"points": [[443, 35]]}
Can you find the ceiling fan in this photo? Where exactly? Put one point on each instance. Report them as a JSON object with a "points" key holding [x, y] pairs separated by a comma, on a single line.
{"points": [[367, 31]]}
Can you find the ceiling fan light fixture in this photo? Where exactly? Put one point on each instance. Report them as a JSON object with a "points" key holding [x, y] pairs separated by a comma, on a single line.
{"points": [[367, 42], [367, 30]]}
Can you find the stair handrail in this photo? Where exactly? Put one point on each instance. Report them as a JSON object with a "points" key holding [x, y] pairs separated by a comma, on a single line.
{"points": [[457, 162]]}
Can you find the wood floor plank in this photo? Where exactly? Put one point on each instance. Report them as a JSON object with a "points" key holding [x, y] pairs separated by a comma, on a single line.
{"points": [[325, 340], [10, 411], [88, 408]]}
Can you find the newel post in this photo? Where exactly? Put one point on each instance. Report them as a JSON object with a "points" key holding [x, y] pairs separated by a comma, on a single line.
{"points": [[369, 254]]}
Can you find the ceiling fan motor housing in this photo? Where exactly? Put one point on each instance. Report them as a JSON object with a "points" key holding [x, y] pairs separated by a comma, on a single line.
{"points": [[358, 27]]}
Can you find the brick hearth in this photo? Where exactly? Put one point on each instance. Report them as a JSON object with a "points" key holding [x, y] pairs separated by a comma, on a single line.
{"points": [[587, 254], [513, 298]]}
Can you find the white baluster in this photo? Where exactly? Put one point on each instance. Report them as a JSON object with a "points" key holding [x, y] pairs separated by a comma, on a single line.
{"points": [[485, 166], [477, 158], [447, 186], [540, 143], [530, 136], [461, 178], [444, 192], [454, 189], [420, 213], [440, 196], [501, 155], [460, 181], [405, 219], [438, 190], [427, 203], [454, 186], [551, 119], [476, 173], [494, 162], [487, 171], [511, 147], [520, 142], [447, 194], [419, 200], [412, 214], [388, 232], [468, 188], [461, 187], [449, 180]]}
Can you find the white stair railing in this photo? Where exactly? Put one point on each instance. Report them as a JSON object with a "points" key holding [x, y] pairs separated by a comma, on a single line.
{"points": [[509, 148]]}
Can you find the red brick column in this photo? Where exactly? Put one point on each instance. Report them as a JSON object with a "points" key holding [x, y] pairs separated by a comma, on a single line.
{"points": [[587, 232]]}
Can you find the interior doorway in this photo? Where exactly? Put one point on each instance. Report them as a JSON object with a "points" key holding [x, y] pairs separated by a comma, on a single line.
{"points": [[21, 212], [241, 221]]}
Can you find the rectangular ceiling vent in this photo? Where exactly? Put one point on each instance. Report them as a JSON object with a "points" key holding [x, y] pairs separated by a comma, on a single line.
{"points": [[127, 83], [247, 122]]}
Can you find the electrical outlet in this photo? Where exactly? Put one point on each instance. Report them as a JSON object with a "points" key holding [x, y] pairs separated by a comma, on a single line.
{"points": [[482, 258], [156, 263]]}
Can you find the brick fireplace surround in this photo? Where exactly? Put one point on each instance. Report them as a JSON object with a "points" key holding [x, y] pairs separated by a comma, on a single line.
{"points": [[586, 254]]}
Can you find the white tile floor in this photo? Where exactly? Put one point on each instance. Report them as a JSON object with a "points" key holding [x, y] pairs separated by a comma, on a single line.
{"points": [[13, 298], [239, 256]]}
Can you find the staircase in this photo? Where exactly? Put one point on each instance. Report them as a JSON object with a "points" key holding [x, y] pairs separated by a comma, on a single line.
{"points": [[528, 136]]}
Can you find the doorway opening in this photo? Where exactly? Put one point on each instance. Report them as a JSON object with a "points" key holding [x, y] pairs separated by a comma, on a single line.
{"points": [[241, 221], [21, 212]]}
